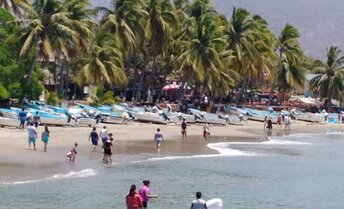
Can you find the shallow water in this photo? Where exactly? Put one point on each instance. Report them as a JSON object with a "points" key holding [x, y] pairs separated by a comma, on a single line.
{"points": [[298, 171]]}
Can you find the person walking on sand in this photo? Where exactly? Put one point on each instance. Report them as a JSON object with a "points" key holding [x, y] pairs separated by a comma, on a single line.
{"points": [[184, 126], [158, 138], [198, 203], [71, 155], [103, 135], [145, 194], [206, 130], [107, 158], [36, 119], [45, 137], [22, 116], [94, 138], [133, 199], [32, 135]]}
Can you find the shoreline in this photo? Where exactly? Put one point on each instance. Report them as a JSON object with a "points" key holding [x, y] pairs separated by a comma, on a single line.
{"points": [[17, 162]]}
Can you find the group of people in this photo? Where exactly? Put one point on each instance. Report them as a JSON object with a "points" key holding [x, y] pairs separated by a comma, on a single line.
{"points": [[206, 129], [281, 120], [32, 136], [139, 200], [107, 140]]}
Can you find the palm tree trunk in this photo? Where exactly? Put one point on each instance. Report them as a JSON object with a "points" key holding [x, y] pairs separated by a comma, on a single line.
{"points": [[66, 96], [61, 93], [29, 76], [138, 91]]}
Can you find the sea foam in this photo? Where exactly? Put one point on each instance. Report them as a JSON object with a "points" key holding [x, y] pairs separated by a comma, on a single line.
{"points": [[79, 174]]}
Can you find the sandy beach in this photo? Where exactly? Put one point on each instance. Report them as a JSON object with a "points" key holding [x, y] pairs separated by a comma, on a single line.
{"points": [[17, 160]]}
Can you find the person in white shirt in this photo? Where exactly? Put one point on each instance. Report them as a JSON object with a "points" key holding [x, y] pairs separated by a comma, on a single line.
{"points": [[32, 136], [104, 135], [198, 203]]}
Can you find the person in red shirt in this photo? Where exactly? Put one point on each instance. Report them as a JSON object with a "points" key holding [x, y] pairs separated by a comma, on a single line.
{"points": [[133, 199]]}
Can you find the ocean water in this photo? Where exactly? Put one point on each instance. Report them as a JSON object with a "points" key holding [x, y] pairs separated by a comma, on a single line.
{"points": [[291, 172]]}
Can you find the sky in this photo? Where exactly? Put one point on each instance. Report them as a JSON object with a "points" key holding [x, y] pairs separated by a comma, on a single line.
{"points": [[320, 22]]}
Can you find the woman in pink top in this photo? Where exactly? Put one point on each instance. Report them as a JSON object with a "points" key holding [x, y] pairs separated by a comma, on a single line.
{"points": [[145, 193], [133, 199]]}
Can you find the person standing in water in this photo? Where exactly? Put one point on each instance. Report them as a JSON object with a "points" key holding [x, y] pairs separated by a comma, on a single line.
{"points": [[158, 138], [104, 135], [94, 138], [198, 203], [145, 194], [133, 199], [71, 155], [107, 158], [206, 130], [184, 126], [32, 135], [45, 137]]}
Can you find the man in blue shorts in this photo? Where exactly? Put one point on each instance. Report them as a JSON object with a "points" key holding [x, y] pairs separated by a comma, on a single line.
{"points": [[32, 135]]}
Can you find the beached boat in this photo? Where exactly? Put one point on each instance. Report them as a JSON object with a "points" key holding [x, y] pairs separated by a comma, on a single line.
{"points": [[308, 117], [50, 118], [9, 122], [9, 113], [204, 117], [81, 117]]}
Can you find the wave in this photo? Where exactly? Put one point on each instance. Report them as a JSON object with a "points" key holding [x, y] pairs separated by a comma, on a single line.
{"points": [[79, 174], [284, 142], [224, 149]]}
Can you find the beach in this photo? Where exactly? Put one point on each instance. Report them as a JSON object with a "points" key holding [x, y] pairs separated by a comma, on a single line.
{"points": [[129, 139], [245, 166]]}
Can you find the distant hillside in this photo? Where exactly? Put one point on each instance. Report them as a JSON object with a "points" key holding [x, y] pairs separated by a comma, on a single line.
{"points": [[320, 22]]}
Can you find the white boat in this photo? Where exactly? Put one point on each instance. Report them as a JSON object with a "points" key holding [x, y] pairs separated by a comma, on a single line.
{"points": [[9, 113], [149, 117], [204, 117], [308, 117], [9, 122]]}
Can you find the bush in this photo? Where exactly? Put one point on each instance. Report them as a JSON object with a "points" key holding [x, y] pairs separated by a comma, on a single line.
{"points": [[51, 98]]}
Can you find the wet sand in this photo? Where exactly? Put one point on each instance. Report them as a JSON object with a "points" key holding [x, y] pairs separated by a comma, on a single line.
{"points": [[17, 161]]}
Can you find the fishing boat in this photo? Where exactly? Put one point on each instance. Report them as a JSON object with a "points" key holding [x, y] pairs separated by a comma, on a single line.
{"points": [[204, 117], [307, 116], [9, 122]]}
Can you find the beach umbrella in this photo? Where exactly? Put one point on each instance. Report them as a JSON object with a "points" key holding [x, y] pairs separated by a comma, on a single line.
{"points": [[170, 87]]}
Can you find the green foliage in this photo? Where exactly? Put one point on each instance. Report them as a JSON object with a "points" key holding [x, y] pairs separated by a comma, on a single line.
{"points": [[12, 73], [3, 93], [99, 96], [51, 98], [329, 82]]}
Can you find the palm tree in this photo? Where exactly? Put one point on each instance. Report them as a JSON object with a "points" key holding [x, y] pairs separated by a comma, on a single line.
{"points": [[290, 59], [48, 29], [252, 44], [125, 22], [104, 64], [204, 53], [330, 81], [14, 5], [80, 21]]}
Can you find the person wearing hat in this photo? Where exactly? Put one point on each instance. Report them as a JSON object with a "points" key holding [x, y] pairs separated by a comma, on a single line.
{"points": [[145, 194]]}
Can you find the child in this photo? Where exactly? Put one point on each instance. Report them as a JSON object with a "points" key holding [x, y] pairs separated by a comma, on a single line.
{"points": [[206, 130], [71, 155]]}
